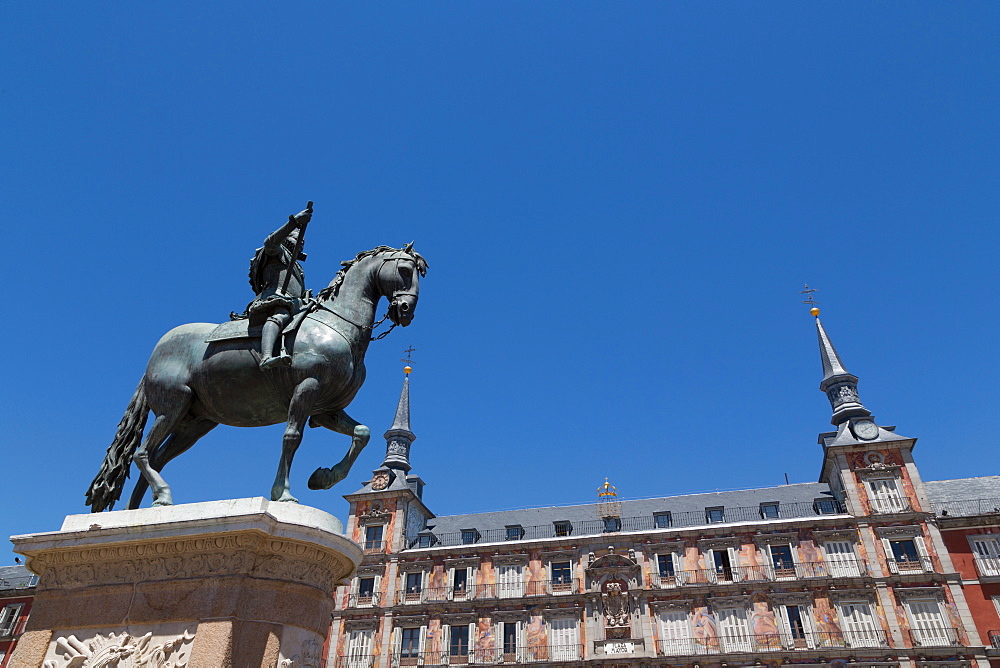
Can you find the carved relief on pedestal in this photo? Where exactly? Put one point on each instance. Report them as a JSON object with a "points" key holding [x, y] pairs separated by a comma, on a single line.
{"points": [[120, 651]]}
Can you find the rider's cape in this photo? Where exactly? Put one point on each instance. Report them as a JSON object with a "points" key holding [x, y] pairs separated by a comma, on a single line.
{"points": [[259, 260]]}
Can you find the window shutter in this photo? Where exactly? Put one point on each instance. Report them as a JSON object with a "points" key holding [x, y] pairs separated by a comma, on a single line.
{"points": [[397, 641], [734, 629], [473, 629], [840, 560], [807, 624], [928, 624], [423, 644], [734, 564], [859, 625], [675, 636]]}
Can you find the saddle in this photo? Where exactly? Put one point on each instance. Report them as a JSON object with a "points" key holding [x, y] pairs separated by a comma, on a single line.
{"points": [[242, 329]]}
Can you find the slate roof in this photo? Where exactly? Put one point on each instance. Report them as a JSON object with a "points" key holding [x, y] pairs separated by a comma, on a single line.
{"points": [[686, 510], [965, 496], [16, 577]]}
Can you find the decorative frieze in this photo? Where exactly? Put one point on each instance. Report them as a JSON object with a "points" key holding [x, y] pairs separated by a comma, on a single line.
{"points": [[121, 650]]}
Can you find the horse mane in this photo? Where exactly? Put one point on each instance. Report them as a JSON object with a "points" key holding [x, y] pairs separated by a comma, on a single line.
{"points": [[333, 289]]}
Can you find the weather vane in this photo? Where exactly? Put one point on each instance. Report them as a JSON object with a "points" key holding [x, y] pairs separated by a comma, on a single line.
{"points": [[808, 292], [409, 355]]}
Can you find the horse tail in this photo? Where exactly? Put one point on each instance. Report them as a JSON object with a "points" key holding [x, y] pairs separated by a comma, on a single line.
{"points": [[107, 486]]}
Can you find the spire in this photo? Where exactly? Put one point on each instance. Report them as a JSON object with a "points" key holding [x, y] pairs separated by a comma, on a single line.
{"points": [[840, 386], [399, 437]]}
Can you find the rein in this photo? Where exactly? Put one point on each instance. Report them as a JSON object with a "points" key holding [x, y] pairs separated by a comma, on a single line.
{"points": [[363, 328]]}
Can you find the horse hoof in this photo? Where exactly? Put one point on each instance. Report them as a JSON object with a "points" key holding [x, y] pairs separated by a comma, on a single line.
{"points": [[321, 478], [288, 498], [162, 503]]}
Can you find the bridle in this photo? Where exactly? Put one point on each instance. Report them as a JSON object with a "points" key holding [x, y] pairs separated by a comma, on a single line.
{"points": [[392, 302]]}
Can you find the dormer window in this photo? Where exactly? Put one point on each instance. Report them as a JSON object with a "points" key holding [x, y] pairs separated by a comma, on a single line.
{"points": [[515, 532], [826, 506], [469, 536], [563, 528], [769, 511], [717, 514], [426, 540], [662, 520]]}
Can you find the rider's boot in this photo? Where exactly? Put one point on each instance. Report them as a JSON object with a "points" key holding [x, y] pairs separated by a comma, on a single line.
{"points": [[269, 338]]}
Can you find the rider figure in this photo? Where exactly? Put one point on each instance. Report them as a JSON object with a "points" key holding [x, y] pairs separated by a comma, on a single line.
{"points": [[279, 295]]}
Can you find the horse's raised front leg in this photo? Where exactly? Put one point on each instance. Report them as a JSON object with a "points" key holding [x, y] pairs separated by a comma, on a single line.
{"points": [[301, 405], [342, 423], [178, 402]]}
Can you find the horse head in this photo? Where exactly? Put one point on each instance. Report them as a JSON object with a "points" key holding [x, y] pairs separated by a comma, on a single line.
{"points": [[398, 280]]}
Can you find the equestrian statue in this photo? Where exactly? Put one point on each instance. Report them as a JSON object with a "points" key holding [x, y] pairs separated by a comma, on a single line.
{"points": [[288, 358]]}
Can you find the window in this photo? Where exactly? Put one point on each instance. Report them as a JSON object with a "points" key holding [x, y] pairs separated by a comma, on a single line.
{"points": [[665, 565], [858, 624], [987, 552], [564, 640], [612, 524], [715, 514], [904, 555], [721, 563], [359, 649], [373, 537], [826, 506], [509, 581], [675, 634], [769, 511], [840, 559], [515, 532], [458, 640], [413, 586], [563, 528], [781, 561], [562, 576], [509, 636], [796, 629], [885, 496], [411, 643], [426, 540], [8, 619], [662, 520], [927, 624], [366, 591], [734, 631], [460, 582], [469, 536]]}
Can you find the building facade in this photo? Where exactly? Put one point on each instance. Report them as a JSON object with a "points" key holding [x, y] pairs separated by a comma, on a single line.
{"points": [[17, 590], [852, 569]]}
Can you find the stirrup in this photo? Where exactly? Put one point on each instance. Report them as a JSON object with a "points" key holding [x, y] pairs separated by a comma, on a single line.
{"points": [[272, 362]]}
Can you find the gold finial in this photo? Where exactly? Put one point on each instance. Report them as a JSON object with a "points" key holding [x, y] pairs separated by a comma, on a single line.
{"points": [[409, 354], [607, 489], [808, 292]]}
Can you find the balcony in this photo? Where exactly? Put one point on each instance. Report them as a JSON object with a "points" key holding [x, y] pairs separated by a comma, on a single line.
{"points": [[774, 642], [355, 660], [374, 547], [907, 566], [994, 638], [890, 505], [988, 567], [820, 569], [934, 637], [547, 654], [364, 600]]}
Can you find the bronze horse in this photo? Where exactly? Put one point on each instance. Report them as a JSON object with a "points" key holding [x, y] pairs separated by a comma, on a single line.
{"points": [[192, 385]]}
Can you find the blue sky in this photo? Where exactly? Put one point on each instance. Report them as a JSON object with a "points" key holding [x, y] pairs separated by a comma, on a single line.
{"points": [[619, 203]]}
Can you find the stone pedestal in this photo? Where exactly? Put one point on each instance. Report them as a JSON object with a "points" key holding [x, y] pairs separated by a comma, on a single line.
{"points": [[246, 582]]}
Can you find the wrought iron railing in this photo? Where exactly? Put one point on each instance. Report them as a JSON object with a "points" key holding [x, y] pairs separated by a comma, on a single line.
{"points": [[355, 660], [365, 600], [967, 507], [819, 569], [741, 643], [987, 566], [374, 547], [934, 637], [548, 654], [643, 523], [890, 505], [903, 566], [20, 582], [488, 591]]}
